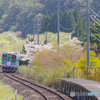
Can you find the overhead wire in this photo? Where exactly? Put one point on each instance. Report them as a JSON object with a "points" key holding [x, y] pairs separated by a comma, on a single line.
{"points": [[67, 7], [65, 28], [95, 21], [95, 37], [94, 12], [53, 39], [95, 28]]}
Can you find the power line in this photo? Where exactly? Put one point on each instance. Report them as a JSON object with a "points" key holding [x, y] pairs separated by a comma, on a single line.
{"points": [[53, 39], [99, 12], [65, 28], [95, 28], [67, 7], [94, 20], [95, 37], [94, 12]]}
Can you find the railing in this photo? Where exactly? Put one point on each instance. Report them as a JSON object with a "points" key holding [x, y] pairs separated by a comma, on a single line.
{"points": [[82, 72]]}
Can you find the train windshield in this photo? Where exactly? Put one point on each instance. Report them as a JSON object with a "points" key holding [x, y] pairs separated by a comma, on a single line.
{"points": [[9, 58], [5, 57], [13, 58]]}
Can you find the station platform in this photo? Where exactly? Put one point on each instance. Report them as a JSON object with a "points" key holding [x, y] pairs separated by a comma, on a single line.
{"points": [[83, 85]]}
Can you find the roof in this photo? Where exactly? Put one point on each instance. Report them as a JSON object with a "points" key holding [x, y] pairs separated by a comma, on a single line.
{"points": [[10, 53]]}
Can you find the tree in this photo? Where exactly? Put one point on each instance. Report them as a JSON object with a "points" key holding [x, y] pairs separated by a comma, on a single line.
{"points": [[45, 22], [95, 31], [10, 20], [53, 23], [76, 15], [79, 30], [23, 50], [94, 61], [71, 22], [68, 21], [96, 5]]}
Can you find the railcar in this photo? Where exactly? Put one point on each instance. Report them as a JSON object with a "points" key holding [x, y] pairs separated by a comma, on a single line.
{"points": [[10, 62]]}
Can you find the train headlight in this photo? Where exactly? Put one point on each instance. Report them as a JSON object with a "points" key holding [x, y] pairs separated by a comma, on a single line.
{"points": [[8, 63]]}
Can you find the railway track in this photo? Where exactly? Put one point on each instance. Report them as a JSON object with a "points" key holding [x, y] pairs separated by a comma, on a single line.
{"points": [[43, 92]]}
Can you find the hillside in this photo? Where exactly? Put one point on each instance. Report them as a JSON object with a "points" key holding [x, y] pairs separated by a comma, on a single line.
{"points": [[10, 42], [19, 15]]}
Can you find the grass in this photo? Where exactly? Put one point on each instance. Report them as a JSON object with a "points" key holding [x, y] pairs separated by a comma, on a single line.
{"points": [[52, 37], [10, 42], [7, 93]]}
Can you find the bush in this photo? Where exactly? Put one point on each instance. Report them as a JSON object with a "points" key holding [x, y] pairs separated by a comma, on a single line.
{"points": [[47, 76]]}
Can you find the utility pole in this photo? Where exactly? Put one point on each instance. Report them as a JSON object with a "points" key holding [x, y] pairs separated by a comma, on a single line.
{"points": [[58, 21], [38, 32], [37, 27], [88, 35]]}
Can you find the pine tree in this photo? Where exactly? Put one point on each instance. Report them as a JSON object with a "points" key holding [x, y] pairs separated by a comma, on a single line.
{"points": [[23, 50], [96, 5], [53, 23], [71, 22], [68, 21], [79, 30], [45, 22], [76, 15], [95, 30]]}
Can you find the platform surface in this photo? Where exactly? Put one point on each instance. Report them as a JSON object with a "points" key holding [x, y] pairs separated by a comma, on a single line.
{"points": [[90, 85]]}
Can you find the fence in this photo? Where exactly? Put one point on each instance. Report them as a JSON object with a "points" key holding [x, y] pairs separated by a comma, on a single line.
{"points": [[82, 72]]}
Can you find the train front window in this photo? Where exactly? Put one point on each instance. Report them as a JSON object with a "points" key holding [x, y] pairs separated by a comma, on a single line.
{"points": [[4, 57], [9, 58], [13, 58]]}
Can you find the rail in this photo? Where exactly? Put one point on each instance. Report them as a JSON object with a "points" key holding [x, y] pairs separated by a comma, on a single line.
{"points": [[40, 89]]}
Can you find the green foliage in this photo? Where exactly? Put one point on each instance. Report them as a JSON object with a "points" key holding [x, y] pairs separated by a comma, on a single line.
{"points": [[45, 22], [76, 15], [80, 29], [52, 25], [7, 93], [95, 5], [49, 65], [19, 16], [95, 31], [52, 37], [67, 21], [45, 42], [23, 62], [94, 61], [50, 22], [23, 50], [46, 76], [30, 39], [11, 42]]}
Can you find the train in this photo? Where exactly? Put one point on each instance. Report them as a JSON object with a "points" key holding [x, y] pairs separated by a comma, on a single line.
{"points": [[10, 62]]}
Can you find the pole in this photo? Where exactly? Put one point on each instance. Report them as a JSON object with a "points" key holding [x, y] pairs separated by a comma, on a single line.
{"points": [[16, 95], [88, 35], [65, 73], [58, 21], [38, 33]]}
